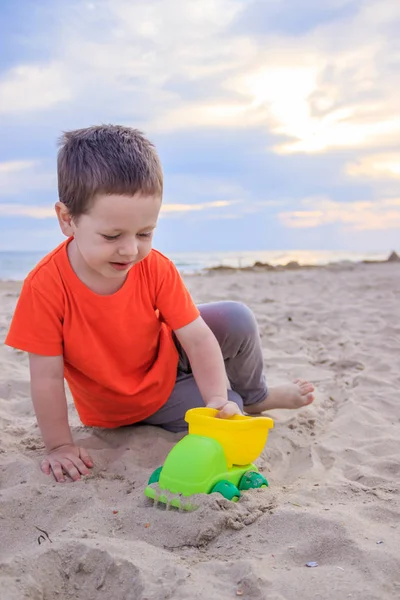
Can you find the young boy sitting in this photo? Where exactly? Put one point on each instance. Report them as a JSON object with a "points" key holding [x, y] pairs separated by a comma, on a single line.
{"points": [[112, 315]]}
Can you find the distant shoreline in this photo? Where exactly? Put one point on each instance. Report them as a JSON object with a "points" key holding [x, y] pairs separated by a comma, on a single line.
{"points": [[294, 265], [190, 268]]}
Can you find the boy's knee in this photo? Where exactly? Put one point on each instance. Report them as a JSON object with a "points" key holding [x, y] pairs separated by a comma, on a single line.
{"points": [[241, 318]]}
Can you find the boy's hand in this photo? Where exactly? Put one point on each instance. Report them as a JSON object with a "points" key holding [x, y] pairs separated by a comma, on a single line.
{"points": [[226, 409], [70, 459]]}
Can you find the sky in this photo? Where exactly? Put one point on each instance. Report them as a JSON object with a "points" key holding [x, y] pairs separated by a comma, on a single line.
{"points": [[277, 121]]}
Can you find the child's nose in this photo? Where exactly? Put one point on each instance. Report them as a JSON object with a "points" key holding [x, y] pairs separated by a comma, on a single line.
{"points": [[129, 249]]}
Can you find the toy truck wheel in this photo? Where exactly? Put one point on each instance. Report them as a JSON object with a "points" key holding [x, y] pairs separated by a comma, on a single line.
{"points": [[227, 490], [252, 479], [155, 476]]}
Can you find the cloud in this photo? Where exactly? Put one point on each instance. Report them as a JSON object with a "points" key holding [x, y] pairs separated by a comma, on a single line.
{"points": [[323, 97], [197, 115], [28, 88], [362, 215], [306, 89], [308, 17], [19, 176], [15, 166], [378, 166], [178, 209], [302, 87], [21, 210], [44, 212]]}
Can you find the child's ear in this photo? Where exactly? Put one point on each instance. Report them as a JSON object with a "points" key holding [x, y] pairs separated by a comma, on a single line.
{"points": [[64, 219]]}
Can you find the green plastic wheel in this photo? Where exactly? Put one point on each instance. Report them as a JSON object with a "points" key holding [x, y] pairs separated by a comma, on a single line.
{"points": [[252, 479], [155, 476], [227, 490]]}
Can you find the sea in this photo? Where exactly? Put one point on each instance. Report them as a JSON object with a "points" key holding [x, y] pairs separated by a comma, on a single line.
{"points": [[14, 266]]}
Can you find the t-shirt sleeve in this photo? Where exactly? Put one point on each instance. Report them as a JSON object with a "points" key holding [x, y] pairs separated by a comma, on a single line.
{"points": [[37, 323], [173, 299]]}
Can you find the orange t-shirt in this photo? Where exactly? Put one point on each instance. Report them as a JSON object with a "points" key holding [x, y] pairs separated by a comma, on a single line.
{"points": [[120, 360]]}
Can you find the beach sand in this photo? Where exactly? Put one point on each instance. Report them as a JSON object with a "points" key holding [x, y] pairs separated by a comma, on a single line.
{"points": [[333, 468]]}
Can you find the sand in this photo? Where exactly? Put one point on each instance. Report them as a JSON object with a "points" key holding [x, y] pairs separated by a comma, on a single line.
{"points": [[333, 467]]}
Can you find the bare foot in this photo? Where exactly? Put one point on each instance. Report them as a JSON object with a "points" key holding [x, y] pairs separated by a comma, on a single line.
{"points": [[291, 395]]}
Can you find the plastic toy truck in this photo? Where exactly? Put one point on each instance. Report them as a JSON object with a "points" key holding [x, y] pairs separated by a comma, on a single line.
{"points": [[215, 457]]}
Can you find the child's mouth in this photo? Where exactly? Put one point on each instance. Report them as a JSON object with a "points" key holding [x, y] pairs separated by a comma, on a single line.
{"points": [[119, 266]]}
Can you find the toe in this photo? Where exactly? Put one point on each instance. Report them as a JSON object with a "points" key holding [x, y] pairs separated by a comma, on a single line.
{"points": [[305, 386], [309, 399], [302, 382]]}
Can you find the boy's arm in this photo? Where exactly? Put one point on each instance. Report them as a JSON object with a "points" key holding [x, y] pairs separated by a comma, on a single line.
{"points": [[50, 404], [208, 366], [49, 400]]}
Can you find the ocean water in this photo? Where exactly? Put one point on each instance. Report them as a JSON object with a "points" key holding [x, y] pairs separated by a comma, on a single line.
{"points": [[14, 266]]}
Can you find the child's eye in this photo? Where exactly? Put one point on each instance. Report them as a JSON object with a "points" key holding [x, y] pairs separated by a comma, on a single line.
{"points": [[110, 238], [145, 235]]}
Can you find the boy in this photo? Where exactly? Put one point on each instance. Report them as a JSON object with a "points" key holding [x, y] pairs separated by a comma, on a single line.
{"points": [[114, 318]]}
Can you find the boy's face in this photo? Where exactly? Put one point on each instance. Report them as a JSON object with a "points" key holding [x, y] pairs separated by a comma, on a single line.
{"points": [[114, 235]]}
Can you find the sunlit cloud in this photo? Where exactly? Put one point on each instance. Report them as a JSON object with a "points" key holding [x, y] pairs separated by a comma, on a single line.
{"points": [[21, 210], [336, 131], [199, 115], [15, 166], [379, 166], [44, 212], [323, 101], [362, 215], [174, 209]]}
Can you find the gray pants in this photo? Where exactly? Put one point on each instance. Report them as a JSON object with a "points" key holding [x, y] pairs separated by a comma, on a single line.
{"points": [[236, 330]]}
